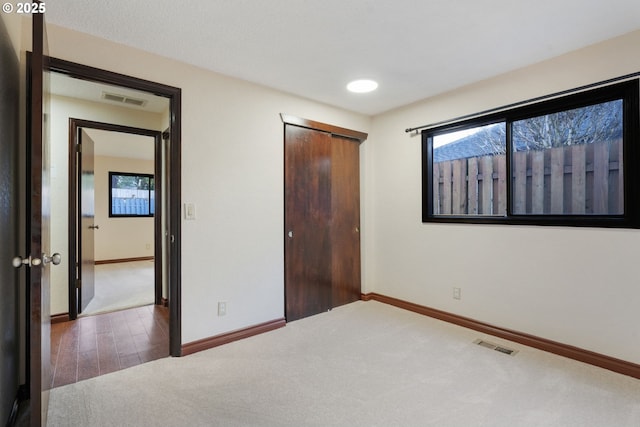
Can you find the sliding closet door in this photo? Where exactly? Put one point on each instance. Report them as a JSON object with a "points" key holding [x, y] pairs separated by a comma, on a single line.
{"points": [[345, 224], [322, 221], [308, 257]]}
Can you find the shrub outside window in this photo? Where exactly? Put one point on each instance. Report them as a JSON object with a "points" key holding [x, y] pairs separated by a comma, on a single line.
{"points": [[131, 194], [568, 161]]}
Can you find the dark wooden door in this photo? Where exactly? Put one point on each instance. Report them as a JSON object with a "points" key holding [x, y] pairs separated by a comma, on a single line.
{"points": [[38, 206], [9, 225], [322, 220], [308, 256], [86, 219], [345, 226]]}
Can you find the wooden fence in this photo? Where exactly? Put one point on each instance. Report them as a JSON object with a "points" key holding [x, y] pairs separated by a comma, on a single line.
{"points": [[132, 206], [579, 179]]}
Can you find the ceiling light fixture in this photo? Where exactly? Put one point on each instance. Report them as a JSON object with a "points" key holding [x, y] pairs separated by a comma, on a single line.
{"points": [[362, 86]]}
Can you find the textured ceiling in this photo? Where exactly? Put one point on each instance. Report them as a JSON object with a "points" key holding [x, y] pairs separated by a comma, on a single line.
{"points": [[413, 48]]}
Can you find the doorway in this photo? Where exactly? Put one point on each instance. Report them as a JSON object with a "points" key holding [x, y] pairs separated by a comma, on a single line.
{"points": [[171, 235], [322, 217], [116, 206]]}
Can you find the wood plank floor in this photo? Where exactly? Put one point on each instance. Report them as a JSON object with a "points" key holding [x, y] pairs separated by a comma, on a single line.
{"points": [[96, 345]]}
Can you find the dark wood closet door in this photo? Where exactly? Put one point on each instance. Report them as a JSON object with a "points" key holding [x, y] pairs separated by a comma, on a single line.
{"points": [[307, 217], [322, 221], [345, 226]]}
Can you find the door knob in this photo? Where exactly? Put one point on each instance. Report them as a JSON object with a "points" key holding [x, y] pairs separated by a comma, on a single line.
{"points": [[19, 261], [29, 262], [54, 259], [94, 227]]}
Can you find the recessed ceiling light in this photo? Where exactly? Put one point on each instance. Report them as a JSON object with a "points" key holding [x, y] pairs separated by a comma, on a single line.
{"points": [[362, 86]]}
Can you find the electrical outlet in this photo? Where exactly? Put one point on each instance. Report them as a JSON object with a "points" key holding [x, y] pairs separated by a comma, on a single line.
{"points": [[148, 246], [456, 293], [222, 308]]}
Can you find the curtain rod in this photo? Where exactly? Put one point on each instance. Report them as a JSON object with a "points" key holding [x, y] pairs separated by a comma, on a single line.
{"points": [[529, 101]]}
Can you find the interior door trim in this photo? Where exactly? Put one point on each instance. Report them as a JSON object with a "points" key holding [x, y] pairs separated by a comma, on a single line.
{"points": [[288, 119], [74, 127], [174, 95]]}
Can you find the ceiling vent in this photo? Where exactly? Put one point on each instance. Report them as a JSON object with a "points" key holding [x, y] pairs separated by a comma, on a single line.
{"points": [[123, 99], [495, 347]]}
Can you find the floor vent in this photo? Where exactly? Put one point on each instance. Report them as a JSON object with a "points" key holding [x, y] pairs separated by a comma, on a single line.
{"points": [[495, 347]]}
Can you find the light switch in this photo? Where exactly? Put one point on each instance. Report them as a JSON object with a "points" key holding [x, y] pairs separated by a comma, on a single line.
{"points": [[189, 211]]}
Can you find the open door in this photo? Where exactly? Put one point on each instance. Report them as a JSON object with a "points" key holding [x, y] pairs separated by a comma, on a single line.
{"points": [[38, 209], [10, 234], [86, 221]]}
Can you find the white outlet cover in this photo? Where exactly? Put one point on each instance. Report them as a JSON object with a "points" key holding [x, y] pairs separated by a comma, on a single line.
{"points": [[222, 308]]}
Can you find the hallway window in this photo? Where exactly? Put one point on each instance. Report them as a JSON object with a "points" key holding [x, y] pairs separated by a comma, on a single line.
{"points": [[131, 194]]}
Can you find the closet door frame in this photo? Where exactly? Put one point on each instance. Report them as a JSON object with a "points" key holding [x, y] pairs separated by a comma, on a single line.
{"points": [[322, 216]]}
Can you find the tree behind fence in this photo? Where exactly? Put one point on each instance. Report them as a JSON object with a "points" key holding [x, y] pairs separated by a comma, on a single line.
{"points": [[578, 179]]}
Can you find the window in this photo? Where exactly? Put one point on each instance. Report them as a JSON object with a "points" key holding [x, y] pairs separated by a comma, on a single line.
{"points": [[131, 194], [571, 160]]}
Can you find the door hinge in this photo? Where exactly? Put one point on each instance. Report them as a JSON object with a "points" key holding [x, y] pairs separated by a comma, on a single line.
{"points": [[78, 284], [79, 148]]}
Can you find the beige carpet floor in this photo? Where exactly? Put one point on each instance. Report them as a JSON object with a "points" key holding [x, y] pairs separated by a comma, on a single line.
{"points": [[122, 285], [364, 364]]}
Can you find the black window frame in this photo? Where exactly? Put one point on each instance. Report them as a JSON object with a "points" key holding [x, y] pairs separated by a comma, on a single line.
{"points": [[627, 91], [151, 188]]}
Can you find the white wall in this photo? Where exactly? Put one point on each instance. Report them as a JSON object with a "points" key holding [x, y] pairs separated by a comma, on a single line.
{"points": [[573, 285], [232, 169], [63, 108], [120, 238], [578, 286]]}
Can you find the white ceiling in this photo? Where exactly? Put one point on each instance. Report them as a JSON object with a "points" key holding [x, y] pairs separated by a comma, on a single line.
{"points": [[413, 48], [119, 144]]}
